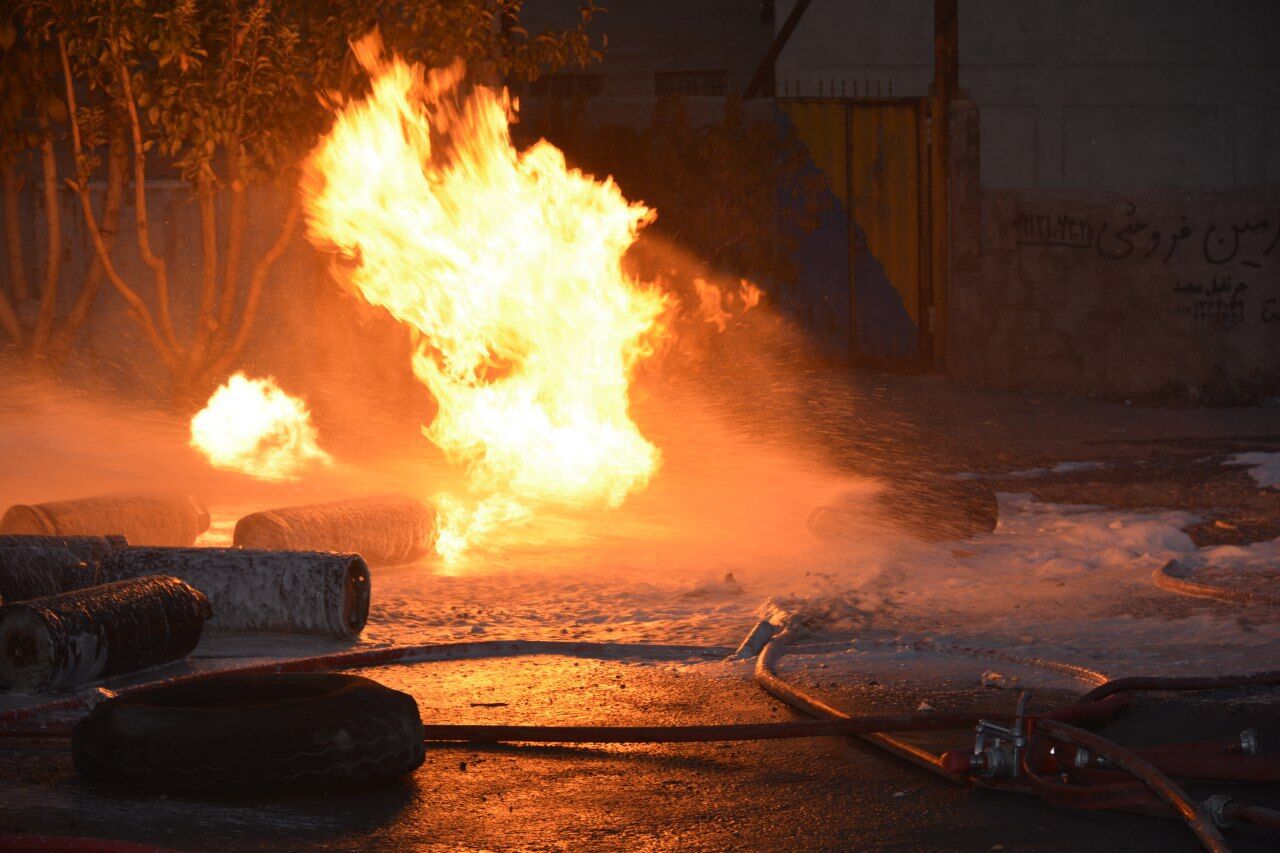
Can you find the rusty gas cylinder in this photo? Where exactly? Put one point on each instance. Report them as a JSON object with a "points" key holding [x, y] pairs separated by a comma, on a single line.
{"points": [[310, 592], [385, 530], [35, 571], [66, 640], [142, 519], [33, 566], [90, 549]]}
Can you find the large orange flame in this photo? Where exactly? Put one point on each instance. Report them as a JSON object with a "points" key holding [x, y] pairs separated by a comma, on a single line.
{"points": [[508, 264], [252, 426]]}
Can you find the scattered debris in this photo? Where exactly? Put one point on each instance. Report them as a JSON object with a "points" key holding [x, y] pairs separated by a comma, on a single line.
{"points": [[991, 678]]}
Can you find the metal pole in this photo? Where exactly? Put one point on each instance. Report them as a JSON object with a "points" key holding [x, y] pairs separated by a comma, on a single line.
{"points": [[946, 49], [764, 71]]}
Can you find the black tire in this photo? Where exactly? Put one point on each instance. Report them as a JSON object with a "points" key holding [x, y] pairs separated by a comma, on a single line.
{"points": [[252, 734]]}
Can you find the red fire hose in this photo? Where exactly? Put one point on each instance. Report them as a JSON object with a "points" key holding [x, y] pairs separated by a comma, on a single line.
{"points": [[1141, 786], [1143, 770]]}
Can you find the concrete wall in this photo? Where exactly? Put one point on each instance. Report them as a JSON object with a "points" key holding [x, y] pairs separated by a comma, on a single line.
{"points": [[1091, 94], [1159, 296], [651, 36]]}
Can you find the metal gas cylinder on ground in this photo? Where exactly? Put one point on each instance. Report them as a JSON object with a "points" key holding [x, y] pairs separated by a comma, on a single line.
{"points": [[90, 549], [311, 592], [35, 571], [385, 530], [63, 641], [33, 566], [143, 520]]}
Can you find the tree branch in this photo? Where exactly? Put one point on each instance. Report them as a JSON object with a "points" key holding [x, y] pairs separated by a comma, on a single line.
{"points": [[140, 207], [103, 253], [256, 283], [209, 282], [139, 307], [236, 216], [117, 164], [9, 320], [53, 237], [13, 231]]}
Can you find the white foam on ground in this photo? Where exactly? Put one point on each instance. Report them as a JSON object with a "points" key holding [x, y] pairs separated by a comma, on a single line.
{"points": [[1070, 582], [1052, 580], [1263, 467]]}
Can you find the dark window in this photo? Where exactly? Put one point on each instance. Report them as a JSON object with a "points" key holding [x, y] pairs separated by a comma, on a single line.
{"points": [[567, 86], [712, 83]]}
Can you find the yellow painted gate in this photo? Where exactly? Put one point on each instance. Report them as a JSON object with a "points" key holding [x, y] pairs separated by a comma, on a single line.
{"points": [[881, 162]]}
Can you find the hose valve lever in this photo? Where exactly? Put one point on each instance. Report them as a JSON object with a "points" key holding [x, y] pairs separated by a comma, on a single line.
{"points": [[1249, 741], [997, 749]]}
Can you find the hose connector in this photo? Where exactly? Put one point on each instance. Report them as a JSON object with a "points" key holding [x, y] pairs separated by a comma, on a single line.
{"points": [[1220, 809]]}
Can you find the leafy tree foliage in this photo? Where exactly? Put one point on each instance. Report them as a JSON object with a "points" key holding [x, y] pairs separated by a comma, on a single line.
{"points": [[224, 94]]}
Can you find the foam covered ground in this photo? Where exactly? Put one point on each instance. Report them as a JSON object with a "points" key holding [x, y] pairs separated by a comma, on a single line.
{"points": [[1053, 580]]}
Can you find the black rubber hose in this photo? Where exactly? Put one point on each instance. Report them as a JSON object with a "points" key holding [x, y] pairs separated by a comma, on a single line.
{"points": [[1140, 768], [912, 722], [1200, 682]]}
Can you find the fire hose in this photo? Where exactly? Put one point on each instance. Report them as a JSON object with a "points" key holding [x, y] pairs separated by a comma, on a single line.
{"points": [[1164, 579], [1143, 770], [1135, 780], [1097, 703]]}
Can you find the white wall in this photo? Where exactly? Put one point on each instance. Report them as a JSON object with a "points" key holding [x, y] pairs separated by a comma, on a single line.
{"points": [[1097, 94]]}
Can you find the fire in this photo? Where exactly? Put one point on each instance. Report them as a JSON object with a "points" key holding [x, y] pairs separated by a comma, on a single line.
{"points": [[718, 307], [252, 426], [509, 266]]}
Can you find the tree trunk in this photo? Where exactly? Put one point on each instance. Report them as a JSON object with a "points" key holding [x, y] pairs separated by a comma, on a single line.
{"points": [[186, 389], [166, 349], [18, 287], [64, 337], [9, 320], [149, 257], [235, 243], [53, 240], [222, 364]]}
